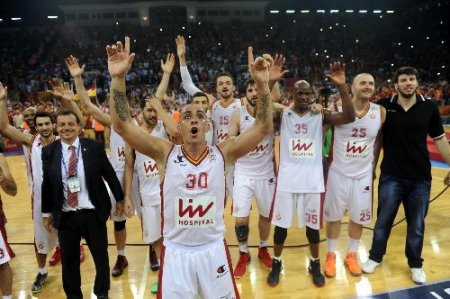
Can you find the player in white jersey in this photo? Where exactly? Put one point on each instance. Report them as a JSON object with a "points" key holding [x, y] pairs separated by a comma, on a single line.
{"points": [[44, 241], [28, 118], [194, 257], [356, 147], [117, 159], [300, 179], [9, 186], [146, 170], [254, 178]]}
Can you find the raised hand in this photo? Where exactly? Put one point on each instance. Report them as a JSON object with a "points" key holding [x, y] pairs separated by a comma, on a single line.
{"points": [[3, 91], [119, 58], [167, 66], [181, 46], [74, 67], [337, 73], [276, 71], [259, 68], [61, 90]]}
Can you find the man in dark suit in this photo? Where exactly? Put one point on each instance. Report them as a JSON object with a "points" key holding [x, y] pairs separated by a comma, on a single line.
{"points": [[76, 202]]}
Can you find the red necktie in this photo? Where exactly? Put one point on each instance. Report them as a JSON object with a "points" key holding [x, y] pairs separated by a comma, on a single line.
{"points": [[72, 198]]}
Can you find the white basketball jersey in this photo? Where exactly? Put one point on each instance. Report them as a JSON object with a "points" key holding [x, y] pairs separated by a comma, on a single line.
{"points": [[353, 143], [259, 163], [300, 169], [36, 166], [147, 172], [117, 155], [27, 156], [222, 118], [194, 197]]}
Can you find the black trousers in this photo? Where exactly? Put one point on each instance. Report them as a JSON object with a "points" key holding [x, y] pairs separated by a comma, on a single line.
{"points": [[73, 227]]}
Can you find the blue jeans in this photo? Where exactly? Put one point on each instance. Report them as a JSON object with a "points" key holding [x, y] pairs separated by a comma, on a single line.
{"points": [[415, 196]]}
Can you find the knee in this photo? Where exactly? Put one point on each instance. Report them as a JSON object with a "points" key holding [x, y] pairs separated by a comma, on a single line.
{"points": [[242, 233], [119, 225], [313, 235], [279, 235]]}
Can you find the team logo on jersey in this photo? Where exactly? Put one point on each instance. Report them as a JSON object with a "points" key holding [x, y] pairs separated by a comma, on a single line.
{"points": [[150, 168], [221, 135], [212, 156], [289, 114], [221, 271], [301, 148], [259, 150], [246, 118], [271, 181], [367, 189], [356, 149], [121, 153], [180, 160], [2, 253], [199, 212], [372, 115], [278, 216]]}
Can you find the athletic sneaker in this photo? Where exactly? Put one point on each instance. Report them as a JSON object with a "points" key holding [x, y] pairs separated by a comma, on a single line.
{"points": [[154, 288], [38, 283], [264, 257], [56, 257], [351, 261], [120, 265], [154, 263], [418, 276], [274, 276], [330, 265], [314, 269], [369, 266], [241, 267]]}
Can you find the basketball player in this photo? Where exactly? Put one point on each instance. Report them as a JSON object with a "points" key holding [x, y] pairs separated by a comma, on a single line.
{"points": [[356, 147], [201, 99], [193, 185], [300, 179], [155, 122], [44, 240]]}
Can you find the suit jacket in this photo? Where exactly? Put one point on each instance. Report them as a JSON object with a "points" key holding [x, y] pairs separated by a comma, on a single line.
{"points": [[96, 168]]}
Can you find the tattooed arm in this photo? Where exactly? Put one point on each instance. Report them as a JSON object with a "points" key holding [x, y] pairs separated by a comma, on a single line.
{"points": [[119, 62], [234, 148]]}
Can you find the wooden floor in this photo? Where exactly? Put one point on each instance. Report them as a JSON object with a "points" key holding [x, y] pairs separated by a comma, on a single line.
{"points": [[295, 282]]}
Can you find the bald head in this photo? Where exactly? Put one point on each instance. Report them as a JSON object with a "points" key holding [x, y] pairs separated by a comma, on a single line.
{"points": [[363, 86]]}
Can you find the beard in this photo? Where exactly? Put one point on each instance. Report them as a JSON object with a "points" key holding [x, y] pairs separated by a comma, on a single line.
{"points": [[406, 95]]}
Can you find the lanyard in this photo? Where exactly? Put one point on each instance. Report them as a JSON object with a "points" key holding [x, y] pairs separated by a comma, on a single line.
{"points": [[64, 163]]}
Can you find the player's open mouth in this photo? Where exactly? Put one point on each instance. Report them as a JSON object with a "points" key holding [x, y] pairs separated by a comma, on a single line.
{"points": [[194, 130]]}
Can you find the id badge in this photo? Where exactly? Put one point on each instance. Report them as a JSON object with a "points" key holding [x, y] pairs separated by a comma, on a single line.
{"points": [[74, 184]]}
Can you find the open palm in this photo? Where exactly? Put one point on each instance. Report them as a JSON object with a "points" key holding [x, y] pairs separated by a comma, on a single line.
{"points": [[119, 58], [337, 73], [73, 66], [3, 91]]}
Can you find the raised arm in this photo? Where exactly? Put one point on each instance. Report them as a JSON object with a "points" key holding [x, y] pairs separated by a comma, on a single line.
{"points": [[6, 179], [5, 128], [63, 91], [119, 62], [337, 76], [76, 72], [236, 147], [186, 79]]}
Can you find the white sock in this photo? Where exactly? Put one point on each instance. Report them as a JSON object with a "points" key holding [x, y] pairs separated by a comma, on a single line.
{"points": [[353, 245], [43, 270], [243, 247], [121, 252], [263, 243], [314, 259], [331, 245], [277, 258]]}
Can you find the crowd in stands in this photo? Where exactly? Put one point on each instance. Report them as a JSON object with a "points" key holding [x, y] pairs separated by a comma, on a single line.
{"points": [[366, 43]]}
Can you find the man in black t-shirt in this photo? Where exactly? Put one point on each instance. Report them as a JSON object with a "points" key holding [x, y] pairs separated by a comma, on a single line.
{"points": [[406, 169]]}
